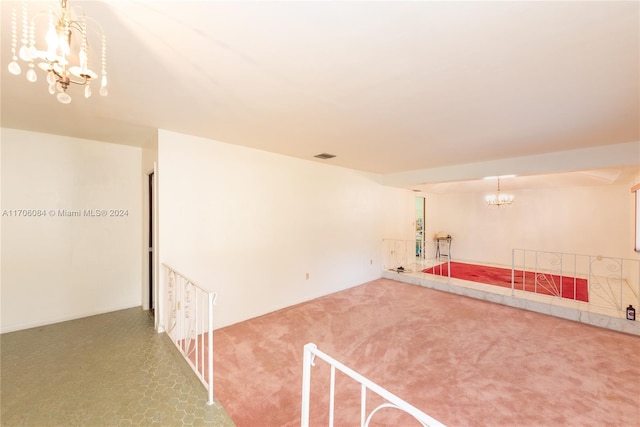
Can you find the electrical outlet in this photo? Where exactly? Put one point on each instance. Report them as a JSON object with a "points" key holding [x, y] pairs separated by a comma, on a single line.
{"points": [[371, 261], [306, 276], [599, 257]]}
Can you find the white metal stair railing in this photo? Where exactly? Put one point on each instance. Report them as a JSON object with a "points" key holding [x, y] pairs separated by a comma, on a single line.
{"points": [[409, 256], [311, 352], [398, 253], [189, 324], [612, 282]]}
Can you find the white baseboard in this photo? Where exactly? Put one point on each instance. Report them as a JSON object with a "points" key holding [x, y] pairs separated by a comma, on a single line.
{"points": [[20, 327]]}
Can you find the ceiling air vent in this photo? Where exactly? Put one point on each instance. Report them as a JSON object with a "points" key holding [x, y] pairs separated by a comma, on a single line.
{"points": [[324, 156]]}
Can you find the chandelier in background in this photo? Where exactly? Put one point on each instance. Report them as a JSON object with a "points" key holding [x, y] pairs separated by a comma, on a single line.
{"points": [[58, 40], [498, 198]]}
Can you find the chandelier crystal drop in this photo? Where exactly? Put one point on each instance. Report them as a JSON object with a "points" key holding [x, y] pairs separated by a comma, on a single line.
{"points": [[498, 198], [59, 39]]}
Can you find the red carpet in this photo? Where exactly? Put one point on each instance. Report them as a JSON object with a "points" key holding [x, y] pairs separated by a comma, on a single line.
{"points": [[547, 284]]}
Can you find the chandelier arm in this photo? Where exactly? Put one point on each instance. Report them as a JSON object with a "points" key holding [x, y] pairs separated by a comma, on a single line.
{"points": [[94, 21], [75, 25], [65, 80], [82, 83]]}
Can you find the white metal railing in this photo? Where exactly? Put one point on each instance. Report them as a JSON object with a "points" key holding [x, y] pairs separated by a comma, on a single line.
{"points": [[311, 352], [612, 283], [398, 253], [189, 324], [603, 284], [413, 256]]}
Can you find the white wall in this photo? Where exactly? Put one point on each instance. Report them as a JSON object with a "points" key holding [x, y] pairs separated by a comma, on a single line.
{"points": [[398, 214], [250, 224], [57, 268], [1, 231], [594, 220]]}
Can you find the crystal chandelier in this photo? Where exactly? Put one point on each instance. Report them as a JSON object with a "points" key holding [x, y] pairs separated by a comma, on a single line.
{"points": [[64, 32], [499, 199]]}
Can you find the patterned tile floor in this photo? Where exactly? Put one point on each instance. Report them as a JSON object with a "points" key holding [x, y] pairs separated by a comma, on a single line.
{"points": [[107, 370]]}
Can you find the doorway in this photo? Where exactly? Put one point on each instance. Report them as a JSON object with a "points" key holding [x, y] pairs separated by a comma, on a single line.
{"points": [[420, 204], [150, 231]]}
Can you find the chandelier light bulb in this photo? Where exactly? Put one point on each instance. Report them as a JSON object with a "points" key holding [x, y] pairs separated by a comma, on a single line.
{"points": [[63, 43], [87, 91], [505, 198], [52, 88], [51, 78], [52, 39], [83, 60]]}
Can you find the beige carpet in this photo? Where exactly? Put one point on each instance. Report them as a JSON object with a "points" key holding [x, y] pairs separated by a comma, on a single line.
{"points": [[464, 362]]}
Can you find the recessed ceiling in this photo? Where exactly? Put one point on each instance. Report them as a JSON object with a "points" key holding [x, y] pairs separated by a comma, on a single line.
{"points": [[590, 177], [387, 86]]}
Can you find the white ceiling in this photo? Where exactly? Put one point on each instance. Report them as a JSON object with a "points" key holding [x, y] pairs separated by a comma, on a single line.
{"points": [[387, 86]]}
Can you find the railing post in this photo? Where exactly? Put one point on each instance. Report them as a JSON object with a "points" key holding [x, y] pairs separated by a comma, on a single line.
{"points": [[590, 267], [210, 349], [575, 277], [561, 275], [513, 271], [638, 285], [196, 308], [363, 405], [636, 290], [535, 273], [306, 383], [332, 395]]}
